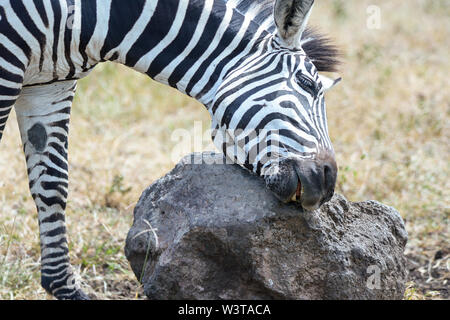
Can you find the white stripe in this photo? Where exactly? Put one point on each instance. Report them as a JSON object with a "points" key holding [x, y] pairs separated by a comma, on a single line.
{"points": [[46, 240], [183, 83], [50, 226], [76, 35], [100, 32], [164, 75], [223, 106], [49, 250], [34, 15], [209, 71], [210, 95], [19, 27], [56, 274], [277, 124], [10, 84], [230, 78], [61, 62], [10, 67], [254, 61], [2, 97], [14, 49], [318, 120]]}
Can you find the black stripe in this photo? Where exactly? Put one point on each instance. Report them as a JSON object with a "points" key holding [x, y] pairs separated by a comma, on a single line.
{"points": [[14, 37], [248, 82], [244, 95], [63, 124], [213, 23], [88, 22], [9, 91], [245, 61], [154, 32], [50, 201], [57, 255], [6, 103], [56, 186], [42, 13], [56, 27], [58, 216], [54, 80], [54, 232], [11, 58], [230, 33], [29, 24], [181, 41], [118, 26], [284, 132], [248, 115], [57, 161], [61, 137], [46, 269], [9, 76], [55, 173], [239, 49], [57, 244], [68, 42], [59, 149], [59, 282], [5, 112]]}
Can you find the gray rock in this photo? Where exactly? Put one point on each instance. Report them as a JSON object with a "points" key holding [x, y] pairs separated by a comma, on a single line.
{"points": [[216, 232]]}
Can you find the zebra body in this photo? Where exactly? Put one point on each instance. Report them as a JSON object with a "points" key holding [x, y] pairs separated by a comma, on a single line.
{"points": [[247, 65]]}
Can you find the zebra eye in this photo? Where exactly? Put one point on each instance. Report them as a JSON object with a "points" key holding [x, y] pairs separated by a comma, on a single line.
{"points": [[308, 85]]}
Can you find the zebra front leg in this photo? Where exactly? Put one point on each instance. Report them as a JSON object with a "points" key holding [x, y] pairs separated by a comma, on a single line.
{"points": [[10, 86], [5, 109], [43, 113]]}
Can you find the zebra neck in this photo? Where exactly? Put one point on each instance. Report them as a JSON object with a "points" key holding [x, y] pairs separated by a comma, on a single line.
{"points": [[189, 45]]}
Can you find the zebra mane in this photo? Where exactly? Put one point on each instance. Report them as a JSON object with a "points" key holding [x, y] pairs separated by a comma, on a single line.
{"points": [[318, 47]]}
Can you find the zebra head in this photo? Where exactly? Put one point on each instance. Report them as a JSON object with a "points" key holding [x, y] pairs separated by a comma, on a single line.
{"points": [[269, 113]]}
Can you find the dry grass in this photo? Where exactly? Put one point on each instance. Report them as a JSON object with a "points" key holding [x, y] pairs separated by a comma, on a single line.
{"points": [[389, 120]]}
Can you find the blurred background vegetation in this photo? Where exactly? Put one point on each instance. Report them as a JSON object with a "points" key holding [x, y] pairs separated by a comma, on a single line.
{"points": [[388, 119]]}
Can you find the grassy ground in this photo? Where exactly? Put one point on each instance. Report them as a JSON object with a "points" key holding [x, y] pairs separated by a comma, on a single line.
{"points": [[389, 120]]}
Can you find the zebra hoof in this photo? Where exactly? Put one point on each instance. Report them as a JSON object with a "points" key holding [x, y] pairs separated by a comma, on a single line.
{"points": [[80, 295]]}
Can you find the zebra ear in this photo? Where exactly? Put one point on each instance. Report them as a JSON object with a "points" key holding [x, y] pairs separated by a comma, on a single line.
{"points": [[291, 17], [328, 83]]}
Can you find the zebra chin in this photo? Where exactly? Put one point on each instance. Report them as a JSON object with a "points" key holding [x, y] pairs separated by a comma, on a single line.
{"points": [[310, 183]]}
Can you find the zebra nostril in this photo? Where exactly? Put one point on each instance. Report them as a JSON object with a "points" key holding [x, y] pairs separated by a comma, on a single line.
{"points": [[298, 192], [329, 176], [326, 174]]}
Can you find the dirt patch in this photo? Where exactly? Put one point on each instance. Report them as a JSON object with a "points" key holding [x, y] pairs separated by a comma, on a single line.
{"points": [[117, 289], [429, 270]]}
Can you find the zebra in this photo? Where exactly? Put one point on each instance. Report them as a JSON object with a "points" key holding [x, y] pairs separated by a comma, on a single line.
{"points": [[253, 64]]}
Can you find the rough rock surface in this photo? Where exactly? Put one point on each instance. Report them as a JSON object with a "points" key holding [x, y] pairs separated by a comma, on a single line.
{"points": [[216, 232]]}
